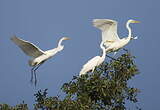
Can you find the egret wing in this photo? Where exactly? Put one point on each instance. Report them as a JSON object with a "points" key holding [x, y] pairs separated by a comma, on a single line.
{"points": [[92, 62], [89, 65], [27, 47], [108, 28]]}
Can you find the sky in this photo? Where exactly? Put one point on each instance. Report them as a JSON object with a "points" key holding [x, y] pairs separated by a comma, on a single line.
{"points": [[44, 22]]}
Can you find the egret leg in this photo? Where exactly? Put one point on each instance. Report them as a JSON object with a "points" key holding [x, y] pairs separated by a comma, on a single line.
{"points": [[114, 54], [110, 57], [34, 71], [125, 49], [35, 82], [93, 69]]}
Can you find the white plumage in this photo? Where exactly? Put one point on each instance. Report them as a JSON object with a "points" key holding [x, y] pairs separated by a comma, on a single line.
{"points": [[110, 37], [38, 56], [94, 62]]}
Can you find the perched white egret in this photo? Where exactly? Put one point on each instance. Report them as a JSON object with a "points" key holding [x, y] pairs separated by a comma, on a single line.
{"points": [[110, 37], [38, 56], [94, 62]]}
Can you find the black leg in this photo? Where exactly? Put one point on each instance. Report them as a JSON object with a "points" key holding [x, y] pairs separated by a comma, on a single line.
{"points": [[111, 57], [35, 76], [125, 50], [35, 80], [32, 72]]}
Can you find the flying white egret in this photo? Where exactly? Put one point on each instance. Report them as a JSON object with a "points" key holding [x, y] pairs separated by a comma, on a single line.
{"points": [[38, 56], [94, 62], [110, 37]]}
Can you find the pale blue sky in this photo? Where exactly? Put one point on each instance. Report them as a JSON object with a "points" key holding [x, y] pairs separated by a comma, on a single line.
{"points": [[44, 22]]}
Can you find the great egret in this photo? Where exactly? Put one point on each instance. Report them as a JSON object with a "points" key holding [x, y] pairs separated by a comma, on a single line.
{"points": [[110, 37], [96, 61], [38, 56]]}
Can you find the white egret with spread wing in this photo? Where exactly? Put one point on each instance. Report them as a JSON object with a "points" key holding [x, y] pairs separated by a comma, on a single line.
{"points": [[38, 56], [94, 62], [110, 37]]}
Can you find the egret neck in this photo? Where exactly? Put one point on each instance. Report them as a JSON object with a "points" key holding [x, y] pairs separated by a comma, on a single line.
{"points": [[60, 46], [104, 51], [129, 31]]}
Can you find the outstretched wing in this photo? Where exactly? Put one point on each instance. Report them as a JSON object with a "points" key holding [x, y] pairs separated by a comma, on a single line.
{"points": [[27, 47], [108, 28]]}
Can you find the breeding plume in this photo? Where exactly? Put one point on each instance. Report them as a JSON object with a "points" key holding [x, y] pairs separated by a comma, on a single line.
{"points": [[38, 56], [110, 37], [94, 62]]}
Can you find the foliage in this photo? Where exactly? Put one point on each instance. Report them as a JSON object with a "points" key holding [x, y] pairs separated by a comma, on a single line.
{"points": [[105, 89], [21, 106]]}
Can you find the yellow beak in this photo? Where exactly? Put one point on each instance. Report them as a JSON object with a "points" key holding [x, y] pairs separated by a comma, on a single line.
{"points": [[136, 22], [66, 38]]}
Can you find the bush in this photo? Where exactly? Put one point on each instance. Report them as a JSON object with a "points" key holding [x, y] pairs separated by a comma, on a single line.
{"points": [[105, 89]]}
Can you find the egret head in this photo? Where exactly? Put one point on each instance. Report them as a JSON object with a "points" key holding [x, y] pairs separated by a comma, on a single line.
{"points": [[133, 21], [60, 42]]}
